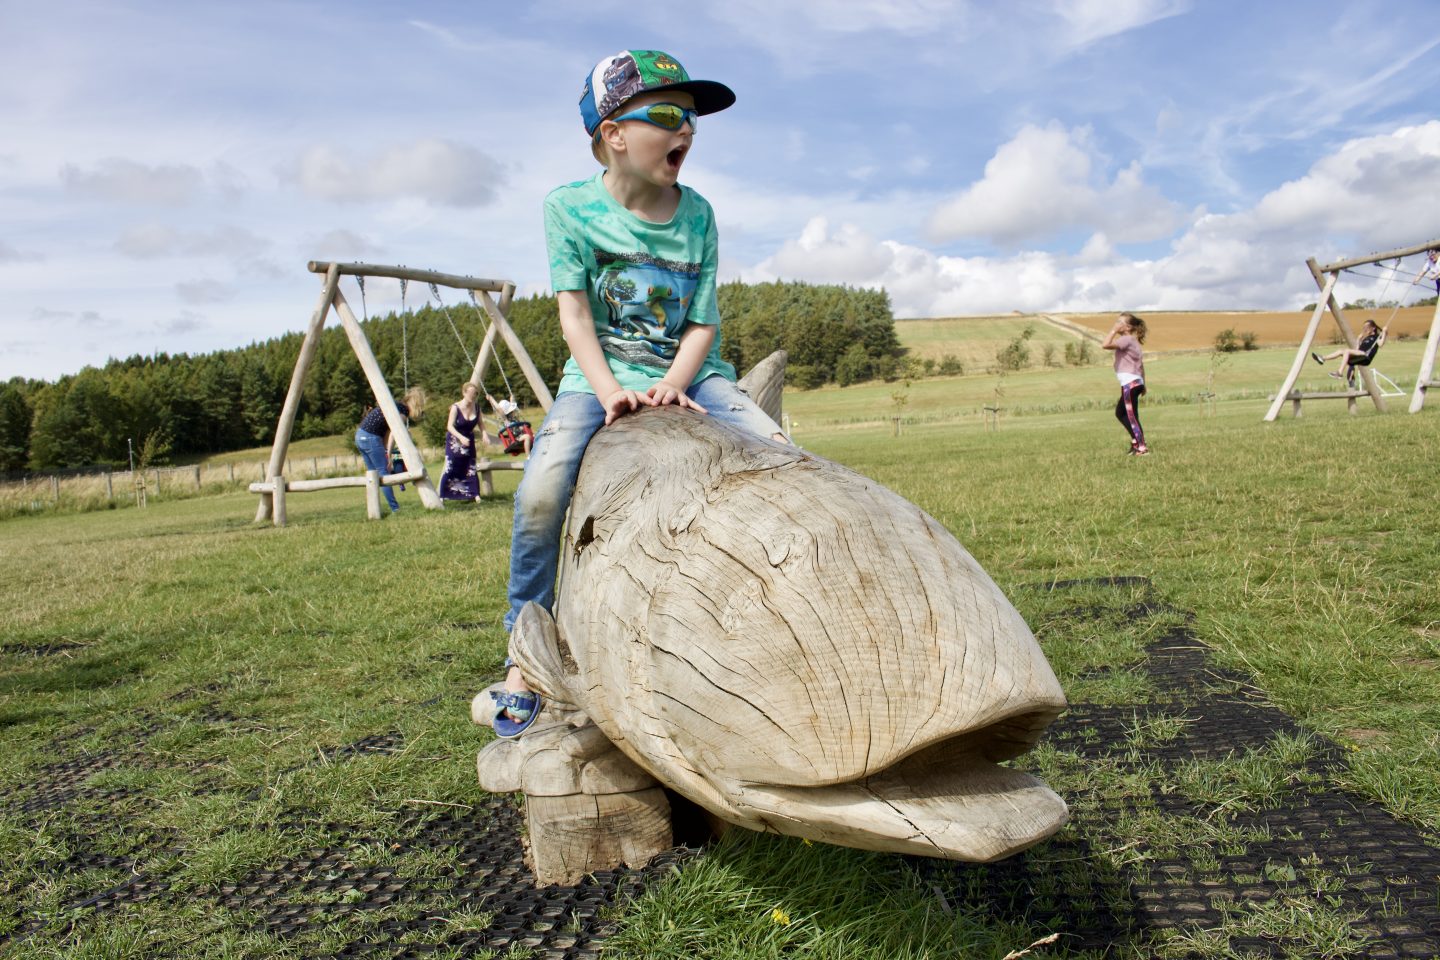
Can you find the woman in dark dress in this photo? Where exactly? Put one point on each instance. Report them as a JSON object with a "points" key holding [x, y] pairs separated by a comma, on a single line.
{"points": [[460, 481]]}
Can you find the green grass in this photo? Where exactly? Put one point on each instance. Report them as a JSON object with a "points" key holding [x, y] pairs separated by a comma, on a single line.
{"points": [[974, 340], [216, 661], [1173, 378]]}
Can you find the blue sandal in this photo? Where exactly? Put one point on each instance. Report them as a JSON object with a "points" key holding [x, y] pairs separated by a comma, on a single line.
{"points": [[514, 712]]}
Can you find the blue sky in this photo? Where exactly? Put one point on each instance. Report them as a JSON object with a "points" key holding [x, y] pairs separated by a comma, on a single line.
{"points": [[166, 170]]}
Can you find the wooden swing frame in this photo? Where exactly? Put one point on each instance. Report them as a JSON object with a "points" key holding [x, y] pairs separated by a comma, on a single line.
{"points": [[1325, 278], [273, 488]]}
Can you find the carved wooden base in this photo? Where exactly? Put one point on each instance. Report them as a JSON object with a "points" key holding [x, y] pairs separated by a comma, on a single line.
{"points": [[572, 836], [588, 807]]}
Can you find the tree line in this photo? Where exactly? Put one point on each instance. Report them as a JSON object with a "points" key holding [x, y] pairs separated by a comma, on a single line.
{"points": [[187, 405]]}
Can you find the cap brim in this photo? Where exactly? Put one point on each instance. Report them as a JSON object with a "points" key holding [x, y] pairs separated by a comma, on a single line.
{"points": [[710, 95]]}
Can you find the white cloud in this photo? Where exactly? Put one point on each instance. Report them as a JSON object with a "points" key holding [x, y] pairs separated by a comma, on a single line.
{"points": [[911, 17], [802, 36], [230, 180], [1381, 190], [1087, 21], [153, 240], [846, 255], [9, 254], [439, 172], [450, 38], [343, 245], [204, 291], [1365, 195], [125, 181], [1042, 183], [48, 317], [188, 321]]}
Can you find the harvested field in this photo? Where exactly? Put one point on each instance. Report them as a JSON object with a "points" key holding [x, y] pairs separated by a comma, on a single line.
{"points": [[1183, 330]]}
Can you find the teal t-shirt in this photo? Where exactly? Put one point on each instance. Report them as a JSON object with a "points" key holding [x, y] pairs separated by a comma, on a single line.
{"points": [[645, 281]]}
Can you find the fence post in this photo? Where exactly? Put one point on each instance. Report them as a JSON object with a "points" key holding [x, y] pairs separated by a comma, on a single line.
{"points": [[279, 500], [372, 494], [232, 471], [197, 476], [55, 488], [109, 486]]}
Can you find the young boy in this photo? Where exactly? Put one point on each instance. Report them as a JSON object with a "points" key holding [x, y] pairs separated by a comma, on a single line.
{"points": [[633, 258]]}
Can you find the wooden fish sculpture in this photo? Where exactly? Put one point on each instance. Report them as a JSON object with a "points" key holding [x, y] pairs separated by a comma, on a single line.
{"points": [[783, 642]]}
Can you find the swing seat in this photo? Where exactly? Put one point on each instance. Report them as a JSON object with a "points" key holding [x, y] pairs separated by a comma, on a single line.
{"points": [[514, 436]]}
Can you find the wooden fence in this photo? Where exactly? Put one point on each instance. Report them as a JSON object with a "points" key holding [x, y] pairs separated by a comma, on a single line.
{"points": [[97, 490]]}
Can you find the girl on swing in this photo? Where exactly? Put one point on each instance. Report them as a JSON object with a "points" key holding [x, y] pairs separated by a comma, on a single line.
{"points": [[1372, 338]]}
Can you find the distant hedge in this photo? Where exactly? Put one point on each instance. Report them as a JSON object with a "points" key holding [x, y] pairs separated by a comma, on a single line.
{"points": [[231, 399]]}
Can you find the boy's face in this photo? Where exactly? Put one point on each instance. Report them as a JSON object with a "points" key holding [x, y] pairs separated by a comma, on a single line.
{"points": [[644, 150]]}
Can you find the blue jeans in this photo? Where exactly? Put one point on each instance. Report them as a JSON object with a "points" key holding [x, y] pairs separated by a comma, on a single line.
{"points": [[544, 493], [376, 457]]}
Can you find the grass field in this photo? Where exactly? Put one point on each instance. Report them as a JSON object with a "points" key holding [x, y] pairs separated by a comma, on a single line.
{"points": [[204, 676], [1188, 330], [1173, 378], [975, 339]]}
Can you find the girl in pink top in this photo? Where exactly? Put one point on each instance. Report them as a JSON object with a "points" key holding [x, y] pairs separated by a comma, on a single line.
{"points": [[1125, 339]]}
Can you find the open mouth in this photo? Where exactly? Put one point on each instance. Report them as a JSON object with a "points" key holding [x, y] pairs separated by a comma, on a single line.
{"points": [[675, 157], [949, 800]]}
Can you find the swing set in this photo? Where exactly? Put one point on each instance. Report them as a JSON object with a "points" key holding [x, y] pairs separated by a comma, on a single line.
{"points": [[1373, 384], [409, 468]]}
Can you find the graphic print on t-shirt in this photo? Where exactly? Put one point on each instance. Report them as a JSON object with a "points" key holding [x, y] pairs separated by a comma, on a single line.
{"points": [[646, 299]]}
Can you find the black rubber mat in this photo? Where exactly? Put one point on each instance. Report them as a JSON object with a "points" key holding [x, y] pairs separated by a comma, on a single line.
{"points": [[1315, 844], [1096, 885]]}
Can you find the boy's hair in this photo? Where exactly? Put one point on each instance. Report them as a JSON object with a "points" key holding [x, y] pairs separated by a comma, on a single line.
{"points": [[415, 400], [1137, 326], [623, 76]]}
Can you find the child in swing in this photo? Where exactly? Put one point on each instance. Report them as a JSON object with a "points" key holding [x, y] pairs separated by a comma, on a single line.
{"points": [[1372, 338], [633, 260], [507, 411]]}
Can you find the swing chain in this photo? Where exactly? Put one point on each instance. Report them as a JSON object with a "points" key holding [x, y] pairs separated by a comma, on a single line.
{"points": [[498, 362], [404, 336], [364, 310]]}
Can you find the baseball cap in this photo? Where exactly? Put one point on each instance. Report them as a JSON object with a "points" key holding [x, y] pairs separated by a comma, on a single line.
{"points": [[629, 73]]}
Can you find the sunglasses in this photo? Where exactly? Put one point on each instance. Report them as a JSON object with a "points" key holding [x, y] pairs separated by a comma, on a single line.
{"points": [[670, 116]]}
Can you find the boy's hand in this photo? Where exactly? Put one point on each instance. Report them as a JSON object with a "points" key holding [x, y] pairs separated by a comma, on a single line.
{"points": [[665, 392], [621, 402]]}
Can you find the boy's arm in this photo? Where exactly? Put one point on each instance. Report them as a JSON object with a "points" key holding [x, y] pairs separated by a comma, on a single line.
{"points": [[689, 358], [578, 327]]}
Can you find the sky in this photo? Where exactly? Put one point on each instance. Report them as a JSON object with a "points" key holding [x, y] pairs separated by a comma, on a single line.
{"points": [[167, 170]]}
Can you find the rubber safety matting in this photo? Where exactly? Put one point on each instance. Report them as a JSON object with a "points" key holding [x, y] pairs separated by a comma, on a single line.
{"points": [[1102, 885]]}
